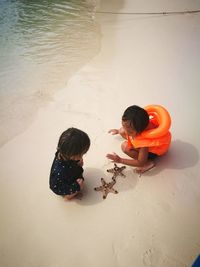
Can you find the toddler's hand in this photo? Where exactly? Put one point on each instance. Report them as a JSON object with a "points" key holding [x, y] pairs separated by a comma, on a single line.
{"points": [[113, 131], [80, 163], [80, 182], [114, 157]]}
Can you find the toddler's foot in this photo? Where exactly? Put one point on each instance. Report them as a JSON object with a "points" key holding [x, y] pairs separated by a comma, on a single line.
{"points": [[140, 170], [69, 197]]}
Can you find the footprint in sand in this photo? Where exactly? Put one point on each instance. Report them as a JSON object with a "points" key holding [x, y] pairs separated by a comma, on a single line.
{"points": [[148, 258], [152, 258]]}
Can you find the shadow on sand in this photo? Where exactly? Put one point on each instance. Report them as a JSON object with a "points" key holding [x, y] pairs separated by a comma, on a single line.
{"points": [[181, 155], [93, 179]]}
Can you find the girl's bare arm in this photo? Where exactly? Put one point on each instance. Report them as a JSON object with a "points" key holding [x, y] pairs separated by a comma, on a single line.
{"points": [[118, 131], [139, 162]]}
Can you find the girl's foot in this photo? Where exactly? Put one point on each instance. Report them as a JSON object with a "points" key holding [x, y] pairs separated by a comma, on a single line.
{"points": [[140, 170]]}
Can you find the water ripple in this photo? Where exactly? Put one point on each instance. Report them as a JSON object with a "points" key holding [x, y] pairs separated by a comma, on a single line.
{"points": [[42, 43]]}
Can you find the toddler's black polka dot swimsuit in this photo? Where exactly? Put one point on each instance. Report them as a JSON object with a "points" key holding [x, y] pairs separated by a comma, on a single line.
{"points": [[63, 176]]}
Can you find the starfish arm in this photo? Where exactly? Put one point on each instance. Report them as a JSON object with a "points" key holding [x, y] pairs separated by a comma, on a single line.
{"points": [[103, 181], [114, 178], [112, 190], [111, 170], [105, 193], [98, 188], [112, 183]]}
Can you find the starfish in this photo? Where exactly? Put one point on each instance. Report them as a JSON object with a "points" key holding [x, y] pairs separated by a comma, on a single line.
{"points": [[106, 188], [117, 171]]}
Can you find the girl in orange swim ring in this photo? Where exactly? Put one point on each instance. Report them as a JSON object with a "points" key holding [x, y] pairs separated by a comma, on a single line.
{"points": [[147, 136]]}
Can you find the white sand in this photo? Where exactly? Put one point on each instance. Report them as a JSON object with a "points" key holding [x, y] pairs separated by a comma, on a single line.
{"points": [[153, 221]]}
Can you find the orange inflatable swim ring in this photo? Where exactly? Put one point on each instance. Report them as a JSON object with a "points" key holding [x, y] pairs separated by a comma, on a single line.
{"points": [[158, 138], [160, 117]]}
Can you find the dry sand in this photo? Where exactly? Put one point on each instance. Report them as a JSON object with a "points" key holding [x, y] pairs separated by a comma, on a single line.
{"points": [[154, 220]]}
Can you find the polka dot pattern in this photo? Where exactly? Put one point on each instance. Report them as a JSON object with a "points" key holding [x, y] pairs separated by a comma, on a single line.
{"points": [[63, 176]]}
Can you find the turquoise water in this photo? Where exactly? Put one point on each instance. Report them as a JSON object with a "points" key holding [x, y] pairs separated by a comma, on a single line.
{"points": [[42, 43]]}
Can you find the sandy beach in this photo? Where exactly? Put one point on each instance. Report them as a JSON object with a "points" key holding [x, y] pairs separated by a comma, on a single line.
{"points": [[154, 220]]}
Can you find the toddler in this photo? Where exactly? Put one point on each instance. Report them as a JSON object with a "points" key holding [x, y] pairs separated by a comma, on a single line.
{"points": [[66, 176]]}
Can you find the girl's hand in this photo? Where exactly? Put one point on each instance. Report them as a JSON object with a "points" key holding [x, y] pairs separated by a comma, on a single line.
{"points": [[114, 157], [113, 131], [80, 163], [80, 182]]}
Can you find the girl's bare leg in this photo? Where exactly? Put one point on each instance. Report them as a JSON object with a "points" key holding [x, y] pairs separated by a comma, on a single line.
{"points": [[131, 152]]}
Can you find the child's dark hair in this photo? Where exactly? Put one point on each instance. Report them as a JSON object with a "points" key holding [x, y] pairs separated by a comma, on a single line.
{"points": [[138, 117], [73, 142]]}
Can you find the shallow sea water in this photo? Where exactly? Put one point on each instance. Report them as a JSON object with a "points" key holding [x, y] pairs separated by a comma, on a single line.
{"points": [[42, 44]]}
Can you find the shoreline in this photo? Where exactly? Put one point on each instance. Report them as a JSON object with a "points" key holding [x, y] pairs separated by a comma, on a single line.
{"points": [[35, 67]]}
